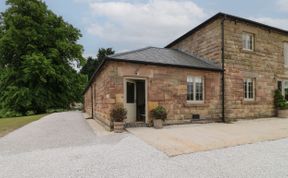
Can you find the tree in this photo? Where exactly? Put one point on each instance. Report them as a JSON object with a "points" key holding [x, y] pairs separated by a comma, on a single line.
{"points": [[102, 53], [37, 50], [92, 64]]}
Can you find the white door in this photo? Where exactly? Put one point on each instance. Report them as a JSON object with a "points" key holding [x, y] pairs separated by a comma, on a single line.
{"points": [[130, 100]]}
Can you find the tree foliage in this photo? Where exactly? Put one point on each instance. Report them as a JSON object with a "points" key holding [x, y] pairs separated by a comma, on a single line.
{"points": [[103, 52], [37, 51], [92, 63]]}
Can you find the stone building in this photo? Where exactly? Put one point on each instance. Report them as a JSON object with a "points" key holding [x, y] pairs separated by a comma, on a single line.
{"points": [[224, 69]]}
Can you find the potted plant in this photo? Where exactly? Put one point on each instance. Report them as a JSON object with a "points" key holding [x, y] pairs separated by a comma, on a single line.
{"points": [[281, 104], [159, 114], [118, 115]]}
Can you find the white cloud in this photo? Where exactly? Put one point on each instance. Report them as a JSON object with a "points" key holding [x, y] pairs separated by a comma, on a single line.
{"points": [[137, 24], [275, 22], [283, 5]]}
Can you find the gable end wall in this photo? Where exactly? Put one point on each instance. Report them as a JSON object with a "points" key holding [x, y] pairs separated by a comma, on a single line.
{"points": [[204, 43]]}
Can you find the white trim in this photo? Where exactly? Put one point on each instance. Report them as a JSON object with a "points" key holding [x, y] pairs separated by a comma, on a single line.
{"points": [[191, 78], [146, 93], [247, 90], [195, 102], [285, 54], [243, 39]]}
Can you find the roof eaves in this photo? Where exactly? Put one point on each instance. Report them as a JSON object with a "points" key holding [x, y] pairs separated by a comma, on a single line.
{"points": [[213, 68]]}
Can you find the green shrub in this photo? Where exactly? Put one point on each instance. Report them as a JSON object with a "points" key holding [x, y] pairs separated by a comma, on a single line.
{"points": [[4, 113], [30, 113], [159, 113], [118, 113], [279, 100]]}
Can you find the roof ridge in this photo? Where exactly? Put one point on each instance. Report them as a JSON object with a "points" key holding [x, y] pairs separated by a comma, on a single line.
{"points": [[128, 52]]}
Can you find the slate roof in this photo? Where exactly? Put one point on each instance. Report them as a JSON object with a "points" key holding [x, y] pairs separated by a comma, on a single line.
{"points": [[166, 57]]}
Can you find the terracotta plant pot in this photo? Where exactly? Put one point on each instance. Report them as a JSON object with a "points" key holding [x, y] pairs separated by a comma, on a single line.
{"points": [[118, 127], [282, 113], [158, 123]]}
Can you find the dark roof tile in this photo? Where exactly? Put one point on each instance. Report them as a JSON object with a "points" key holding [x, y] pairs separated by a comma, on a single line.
{"points": [[164, 56]]}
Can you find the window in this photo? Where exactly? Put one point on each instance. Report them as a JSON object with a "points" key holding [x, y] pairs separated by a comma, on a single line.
{"points": [[194, 89], [130, 95], [279, 85], [248, 41], [285, 88], [285, 54], [249, 89]]}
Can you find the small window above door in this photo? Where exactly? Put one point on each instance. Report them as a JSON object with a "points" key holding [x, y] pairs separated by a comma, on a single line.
{"points": [[130, 95]]}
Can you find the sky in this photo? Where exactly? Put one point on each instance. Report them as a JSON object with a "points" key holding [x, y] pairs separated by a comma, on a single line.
{"points": [[130, 24]]}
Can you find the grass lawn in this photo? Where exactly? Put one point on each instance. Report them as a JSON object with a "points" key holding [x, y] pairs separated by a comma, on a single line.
{"points": [[9, 124]]}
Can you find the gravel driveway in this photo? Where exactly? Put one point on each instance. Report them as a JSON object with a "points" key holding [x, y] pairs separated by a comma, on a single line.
{"points": [[63, 145]]}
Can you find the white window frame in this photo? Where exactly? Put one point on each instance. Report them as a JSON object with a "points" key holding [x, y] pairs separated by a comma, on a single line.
{"points": [[245, 41], [246, 97], [193, 80], [285, 54]]}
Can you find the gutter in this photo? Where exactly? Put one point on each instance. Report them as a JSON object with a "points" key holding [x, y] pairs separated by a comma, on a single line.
{"points": [[92, 102], [223, 68]]}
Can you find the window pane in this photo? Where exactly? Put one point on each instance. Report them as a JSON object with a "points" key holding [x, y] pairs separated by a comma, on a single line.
{"points": [[250, 42], [199, 92], [286, 90], [286, 53], [245, 90], [244, 41], [189, 79], [198, 80], [250, 90], [190, 91], [130, 92], [247, 41], [199, 88], [279, 85], [286, 94], [194, 88]]}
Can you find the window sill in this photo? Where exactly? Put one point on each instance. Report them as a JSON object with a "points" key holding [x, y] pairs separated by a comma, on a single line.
{"points": [[195, 104], [245, 101], [247, 50]]}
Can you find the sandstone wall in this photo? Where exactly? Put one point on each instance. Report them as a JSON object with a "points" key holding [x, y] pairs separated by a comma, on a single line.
{"points": [[205, 43], [167, 86], [265, 64], [87, 102]]}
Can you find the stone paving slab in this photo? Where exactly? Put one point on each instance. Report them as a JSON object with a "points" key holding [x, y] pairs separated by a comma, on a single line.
{"points": [[182, 139]]}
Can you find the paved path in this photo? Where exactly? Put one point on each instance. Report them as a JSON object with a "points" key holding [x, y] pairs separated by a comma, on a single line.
{"points": [[182, 139], [62, 145]]}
